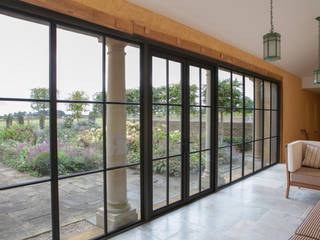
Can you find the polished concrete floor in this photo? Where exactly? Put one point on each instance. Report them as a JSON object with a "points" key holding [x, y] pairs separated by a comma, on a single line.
{"points": [[254, 208]]}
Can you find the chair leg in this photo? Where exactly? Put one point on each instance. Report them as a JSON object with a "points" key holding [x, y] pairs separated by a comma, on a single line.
{"points": [[288, 189]]}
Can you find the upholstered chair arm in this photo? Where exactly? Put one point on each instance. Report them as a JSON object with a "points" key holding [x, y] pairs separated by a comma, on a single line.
{"points": [[294, 155]]}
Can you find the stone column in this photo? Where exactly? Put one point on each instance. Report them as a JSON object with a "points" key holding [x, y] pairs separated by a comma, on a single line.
{"points": [[258, 119], [118, 208], [208, 125]]}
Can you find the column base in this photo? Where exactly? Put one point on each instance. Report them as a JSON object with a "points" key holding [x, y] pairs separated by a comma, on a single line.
{"points": [[116, 220]]}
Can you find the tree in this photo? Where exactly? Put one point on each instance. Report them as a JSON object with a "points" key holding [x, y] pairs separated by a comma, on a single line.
{"points": [[40, 107], [8, 120], [20, 117], [96, 108], [224, 97], [78, 108]]}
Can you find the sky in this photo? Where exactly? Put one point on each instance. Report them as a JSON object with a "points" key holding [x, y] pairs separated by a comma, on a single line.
{"points": [[24, 64]]}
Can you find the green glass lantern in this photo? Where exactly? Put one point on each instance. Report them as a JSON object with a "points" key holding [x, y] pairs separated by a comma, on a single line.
{"points": [[316, 73], [271, 43]]}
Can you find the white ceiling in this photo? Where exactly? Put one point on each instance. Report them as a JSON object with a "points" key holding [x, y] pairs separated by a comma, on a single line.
{"points": [[242, 23]]}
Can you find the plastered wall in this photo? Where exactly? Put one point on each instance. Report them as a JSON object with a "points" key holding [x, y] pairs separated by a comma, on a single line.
{"points": [[300, 108]]}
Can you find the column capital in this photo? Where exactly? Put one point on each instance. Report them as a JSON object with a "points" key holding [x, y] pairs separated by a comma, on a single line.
{"points": [[114, 44]]}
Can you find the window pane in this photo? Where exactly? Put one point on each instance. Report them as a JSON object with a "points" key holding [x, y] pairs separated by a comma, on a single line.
{"points": [[266, 152], [248, 158], [206, 128], [25, 212], [205, 170], [132, 73], [224, 88], [81, 204], [237, 162], [258, 89], [267, 119], [249, 127], [79, 137], [206, 87], [159, 183], [159, 131], [237, 91], [122, 134], [24, 142], [274, 96], [194, 173], [124, 205], [274, 123], [224, 127], [174, 130], [237, 127], [249, 92], [79, 65], [223, 166], [258, 124], [258, 155], [274, 148], [24, 58], [174, 82], [194, 129], [174, 179], [194, 85], [159, 80], [267, 96]]}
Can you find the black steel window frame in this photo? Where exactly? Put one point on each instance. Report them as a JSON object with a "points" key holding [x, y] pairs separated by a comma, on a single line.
{"points": [[244, 109], [26, 11]]}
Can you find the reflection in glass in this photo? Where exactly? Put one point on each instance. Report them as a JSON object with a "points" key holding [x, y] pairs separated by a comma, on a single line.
{"points": [[258, 151], [159, 183], [258, 90], [267, 122], [223, 166], [194, 173], [267, 96], [237, 162], [174, 179], [248, 158], [266, 153], [274, 149], [258, 121], [205, 170], [274, 93], [274, 123], [249, 92]]}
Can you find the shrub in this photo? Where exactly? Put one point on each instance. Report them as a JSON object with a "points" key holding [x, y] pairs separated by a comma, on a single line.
{"points": [[41, 164], [19, 133]]}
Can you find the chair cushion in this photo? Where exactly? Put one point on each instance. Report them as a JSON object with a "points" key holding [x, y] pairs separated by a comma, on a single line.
{"points": [[312, 156], [298, 237], [310, 227], [306, 175]]}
